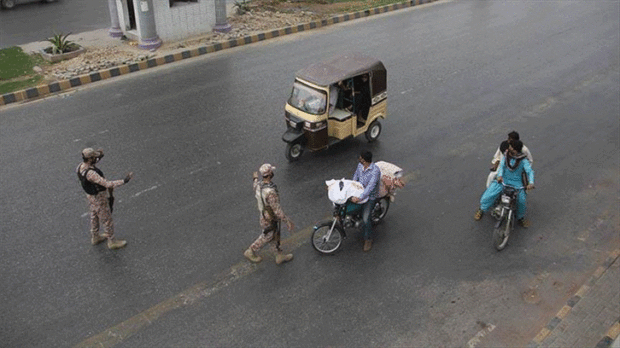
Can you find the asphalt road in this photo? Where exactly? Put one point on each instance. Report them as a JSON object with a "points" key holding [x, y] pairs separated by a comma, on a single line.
{"points": [[31, 21], [461, 76]]}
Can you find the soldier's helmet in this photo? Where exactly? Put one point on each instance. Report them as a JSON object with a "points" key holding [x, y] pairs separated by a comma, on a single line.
{"points": [[266, 170], [89, 152]]}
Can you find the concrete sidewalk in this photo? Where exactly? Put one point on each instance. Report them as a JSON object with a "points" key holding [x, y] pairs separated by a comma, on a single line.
{"points": [[591, 318]]}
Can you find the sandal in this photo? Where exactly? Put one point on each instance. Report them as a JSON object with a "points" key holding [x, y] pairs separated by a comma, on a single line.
{"points": [[524, 223], [478, 215]]}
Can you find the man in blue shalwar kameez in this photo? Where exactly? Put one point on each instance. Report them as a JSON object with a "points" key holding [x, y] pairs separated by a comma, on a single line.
{"points": [[510, 171]]}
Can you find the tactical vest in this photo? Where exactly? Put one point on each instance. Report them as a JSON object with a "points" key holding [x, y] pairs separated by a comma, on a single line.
{"points": [[90, 187], [263, 190]]}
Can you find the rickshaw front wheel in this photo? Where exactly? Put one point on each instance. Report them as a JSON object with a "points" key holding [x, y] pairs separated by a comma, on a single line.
{"points": [[373, 131], [293, 151]]}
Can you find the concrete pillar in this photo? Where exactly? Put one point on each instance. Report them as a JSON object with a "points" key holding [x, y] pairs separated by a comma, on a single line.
{"points": [[146, 25], [221, 22], [115, 28]]}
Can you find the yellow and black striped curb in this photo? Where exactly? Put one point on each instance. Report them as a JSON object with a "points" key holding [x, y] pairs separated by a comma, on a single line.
{"points": [[60, 86], [610, 336], [570, 304]]}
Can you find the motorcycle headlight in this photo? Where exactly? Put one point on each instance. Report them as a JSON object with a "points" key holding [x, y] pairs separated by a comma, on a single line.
{"points": [[505, 199]]}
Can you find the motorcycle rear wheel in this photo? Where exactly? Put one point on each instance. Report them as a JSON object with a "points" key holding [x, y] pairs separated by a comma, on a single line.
{"points": [[319, 239], [501, 233], [379, 210]]}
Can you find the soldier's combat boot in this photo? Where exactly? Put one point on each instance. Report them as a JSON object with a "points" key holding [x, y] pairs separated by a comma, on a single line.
{"points": [[250, 255], [116, 243], [281, 258], [96, 239]]}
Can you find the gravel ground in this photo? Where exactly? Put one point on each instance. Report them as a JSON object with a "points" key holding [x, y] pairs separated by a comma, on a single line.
{"points": [[105, 52]]}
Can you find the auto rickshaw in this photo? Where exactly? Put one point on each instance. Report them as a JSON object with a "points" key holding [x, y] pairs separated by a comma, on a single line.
{"points": [[340, 98]]}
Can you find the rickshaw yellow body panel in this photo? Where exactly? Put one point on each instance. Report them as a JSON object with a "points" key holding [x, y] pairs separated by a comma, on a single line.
{"points": [[341, 129], [376, 111]]}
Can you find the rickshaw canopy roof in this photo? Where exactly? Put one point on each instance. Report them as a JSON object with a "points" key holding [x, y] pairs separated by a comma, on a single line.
{"points": [[339, 68]]}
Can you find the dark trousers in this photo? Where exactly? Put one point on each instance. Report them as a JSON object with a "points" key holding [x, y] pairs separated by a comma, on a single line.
{"points": [[366, 209]]}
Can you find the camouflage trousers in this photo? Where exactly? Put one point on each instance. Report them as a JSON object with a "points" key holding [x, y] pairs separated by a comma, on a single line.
{"points": [[269, 234], [100, 213]]}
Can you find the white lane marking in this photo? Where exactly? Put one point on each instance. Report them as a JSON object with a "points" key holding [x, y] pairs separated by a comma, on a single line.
{"points": [[474, 341], [84, 215], [143, 191]]}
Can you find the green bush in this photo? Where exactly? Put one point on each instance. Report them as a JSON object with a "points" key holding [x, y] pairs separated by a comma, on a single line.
{"points": [[60, 44], [242, 6]]}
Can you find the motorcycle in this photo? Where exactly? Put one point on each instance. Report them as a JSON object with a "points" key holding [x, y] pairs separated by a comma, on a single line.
{"points": [[328, 235], [504, 212]]}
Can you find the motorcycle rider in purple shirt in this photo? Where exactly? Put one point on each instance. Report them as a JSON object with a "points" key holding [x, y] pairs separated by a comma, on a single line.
{"points": [[369, 175]]}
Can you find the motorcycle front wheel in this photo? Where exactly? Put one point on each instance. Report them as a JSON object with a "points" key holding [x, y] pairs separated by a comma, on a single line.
{"points": [[324, 242], [501, 233], [379, 210]]}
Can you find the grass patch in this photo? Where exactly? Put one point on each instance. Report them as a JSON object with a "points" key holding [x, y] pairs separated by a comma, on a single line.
{"points": [[355, 6], [12, 86], [14, 63], [16, 70]]}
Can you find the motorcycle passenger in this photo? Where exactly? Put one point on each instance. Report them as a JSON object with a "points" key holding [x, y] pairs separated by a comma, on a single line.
{"points": [[368, 174], [510, 171], [499, 154]]}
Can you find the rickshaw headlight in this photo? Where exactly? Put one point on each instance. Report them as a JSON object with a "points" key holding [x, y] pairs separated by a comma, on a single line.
{"points": [[315, 125]]}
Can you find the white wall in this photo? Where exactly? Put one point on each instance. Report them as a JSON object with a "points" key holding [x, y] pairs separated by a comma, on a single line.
{"points": [[184, 19]]}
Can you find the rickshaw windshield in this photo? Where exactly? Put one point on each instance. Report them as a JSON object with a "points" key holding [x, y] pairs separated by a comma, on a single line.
{"points": [[308, 99]]}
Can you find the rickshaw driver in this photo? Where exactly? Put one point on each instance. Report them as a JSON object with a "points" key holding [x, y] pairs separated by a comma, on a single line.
{"points": [[368, 174], [362, 99]]}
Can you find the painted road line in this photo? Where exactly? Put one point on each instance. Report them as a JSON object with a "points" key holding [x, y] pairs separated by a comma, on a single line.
{"points": [[481, 334], [116, 334]]}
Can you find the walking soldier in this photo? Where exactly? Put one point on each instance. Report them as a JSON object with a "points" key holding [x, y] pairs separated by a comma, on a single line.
{"points": [[271, 215]]}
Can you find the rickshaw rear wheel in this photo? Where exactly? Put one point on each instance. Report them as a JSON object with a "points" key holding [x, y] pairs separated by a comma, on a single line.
{"points": [[373, 131], [293, 151]]}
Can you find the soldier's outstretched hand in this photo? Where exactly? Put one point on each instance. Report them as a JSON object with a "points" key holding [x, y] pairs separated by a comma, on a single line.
{"points": [[128, 177]]}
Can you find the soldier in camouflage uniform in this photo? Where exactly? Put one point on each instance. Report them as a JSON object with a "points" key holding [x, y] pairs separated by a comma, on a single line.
{"points": [[99, 204], [271, 215]]}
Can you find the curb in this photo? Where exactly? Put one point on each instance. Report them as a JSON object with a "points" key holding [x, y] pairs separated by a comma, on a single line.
{"points": [[63, 85], [611, 334]]}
